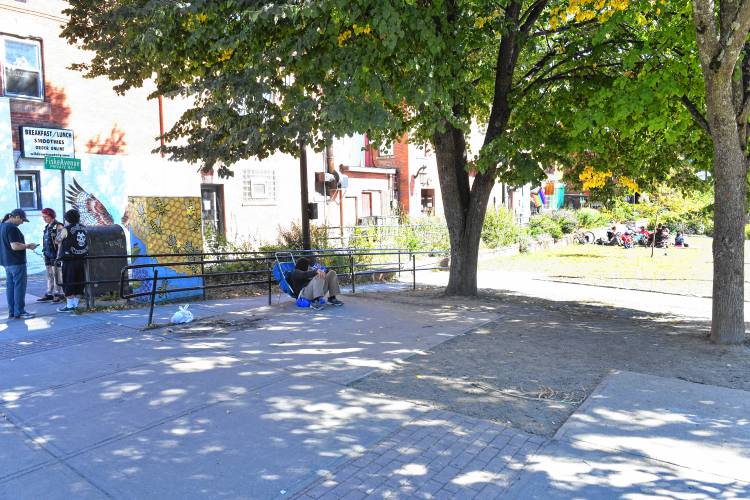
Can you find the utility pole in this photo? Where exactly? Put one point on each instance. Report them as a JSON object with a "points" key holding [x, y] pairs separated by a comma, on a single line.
{"points": [[306, 245]]}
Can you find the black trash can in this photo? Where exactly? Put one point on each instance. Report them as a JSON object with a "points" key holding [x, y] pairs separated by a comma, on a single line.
{"points": [[107, 242]]}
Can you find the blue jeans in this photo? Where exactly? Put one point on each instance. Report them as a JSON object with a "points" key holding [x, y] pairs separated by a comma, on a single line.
{"points": [[15, 289]]}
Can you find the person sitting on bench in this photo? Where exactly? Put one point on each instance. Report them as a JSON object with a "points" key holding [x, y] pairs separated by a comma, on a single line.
{"points": [[313, 284]]}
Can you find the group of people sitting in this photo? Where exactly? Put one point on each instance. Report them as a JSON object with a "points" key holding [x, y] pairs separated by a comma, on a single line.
{"points": [[658, 238]]}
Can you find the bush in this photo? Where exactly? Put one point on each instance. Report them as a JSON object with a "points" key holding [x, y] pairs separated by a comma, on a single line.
{"points": [[499, 229], [545, 224], [566, 220], [589, 218], [747, 231], [689, 212]]}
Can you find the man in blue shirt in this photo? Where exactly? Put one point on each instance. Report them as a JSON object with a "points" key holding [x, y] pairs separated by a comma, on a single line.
{"points": [[13, 258]]}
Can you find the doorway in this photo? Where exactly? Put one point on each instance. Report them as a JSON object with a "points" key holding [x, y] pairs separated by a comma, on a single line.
{"points": [[212, 209]]}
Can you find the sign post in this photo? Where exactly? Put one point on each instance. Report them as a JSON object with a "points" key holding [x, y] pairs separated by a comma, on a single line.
{"points": [[62, 164]]}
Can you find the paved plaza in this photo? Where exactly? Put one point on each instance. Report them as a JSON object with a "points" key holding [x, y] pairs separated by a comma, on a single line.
{"points": [[254, 402]]}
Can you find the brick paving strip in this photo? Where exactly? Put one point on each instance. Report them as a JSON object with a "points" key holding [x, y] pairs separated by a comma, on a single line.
{"points": [[438, 455], [59, 338]]}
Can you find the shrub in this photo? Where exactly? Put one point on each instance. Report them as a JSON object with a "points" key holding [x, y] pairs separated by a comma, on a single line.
{"points": [[545, 224], [589, 218], [690, 212], [499, 229], [566, 219], [747, 231]]}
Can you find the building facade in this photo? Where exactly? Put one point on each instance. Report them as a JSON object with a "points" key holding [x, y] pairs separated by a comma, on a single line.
{"points": [[52, 118]]}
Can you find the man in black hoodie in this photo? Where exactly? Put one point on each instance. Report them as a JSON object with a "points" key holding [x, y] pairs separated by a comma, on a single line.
{"points": [[313, 284]]}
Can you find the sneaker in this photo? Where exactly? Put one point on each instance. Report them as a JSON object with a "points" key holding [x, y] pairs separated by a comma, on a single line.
{"points": [[45, 298], [316, 305], [65, 309], [335, 302], [26, 315], [57, 299]]}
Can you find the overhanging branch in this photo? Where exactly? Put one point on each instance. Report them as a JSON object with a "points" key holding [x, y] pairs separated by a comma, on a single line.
{"points": [[697, 115]]}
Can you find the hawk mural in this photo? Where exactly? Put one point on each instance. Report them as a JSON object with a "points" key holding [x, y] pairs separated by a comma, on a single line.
{"points": [[93, 212]]}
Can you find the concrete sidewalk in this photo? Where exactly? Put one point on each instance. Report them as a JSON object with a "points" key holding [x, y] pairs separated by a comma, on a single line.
{"points": [[253, 413], [92, 406], [645, 436]]}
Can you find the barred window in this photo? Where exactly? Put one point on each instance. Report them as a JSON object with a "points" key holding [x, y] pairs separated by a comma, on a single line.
{"points": [[258, 186]]}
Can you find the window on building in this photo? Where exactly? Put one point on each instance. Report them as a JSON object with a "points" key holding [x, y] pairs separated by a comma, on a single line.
{"points": [[259, 186], [27, 187], [386, 150], [22, 68]]}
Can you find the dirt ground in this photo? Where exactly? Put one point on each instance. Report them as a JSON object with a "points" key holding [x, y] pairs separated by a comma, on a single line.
{"points": [[538, 360]]}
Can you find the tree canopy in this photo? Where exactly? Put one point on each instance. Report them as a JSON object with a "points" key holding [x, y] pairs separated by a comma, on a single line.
{"points": [[265, 75]]}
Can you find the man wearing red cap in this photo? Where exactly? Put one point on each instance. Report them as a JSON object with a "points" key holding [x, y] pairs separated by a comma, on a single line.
{"points": [[50, 244]]}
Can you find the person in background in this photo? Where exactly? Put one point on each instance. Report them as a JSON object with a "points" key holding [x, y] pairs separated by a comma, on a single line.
{"points": [[50, 243], [313, 284], [72, 252], [679, 240], [613, 237], [13, 258], [627, 240]]}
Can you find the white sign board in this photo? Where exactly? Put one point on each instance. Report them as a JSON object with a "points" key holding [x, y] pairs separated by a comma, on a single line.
{"points": [[40, 142]]}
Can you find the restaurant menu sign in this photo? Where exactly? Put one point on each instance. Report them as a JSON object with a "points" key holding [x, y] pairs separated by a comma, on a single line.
{"points": [[40, 142]]}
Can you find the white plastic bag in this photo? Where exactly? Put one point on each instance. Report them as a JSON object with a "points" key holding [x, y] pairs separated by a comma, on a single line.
{"points": [[182, 315]]}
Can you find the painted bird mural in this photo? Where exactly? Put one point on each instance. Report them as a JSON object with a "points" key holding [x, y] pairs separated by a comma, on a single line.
{"points": [[93, 212]]}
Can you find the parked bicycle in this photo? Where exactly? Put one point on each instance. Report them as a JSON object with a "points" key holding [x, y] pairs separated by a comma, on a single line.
{"points": [[584, 237]]}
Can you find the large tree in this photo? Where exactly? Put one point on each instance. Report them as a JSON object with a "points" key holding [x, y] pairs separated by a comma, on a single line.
{"points": [[679, 106], [724, 51], [267, 75]]}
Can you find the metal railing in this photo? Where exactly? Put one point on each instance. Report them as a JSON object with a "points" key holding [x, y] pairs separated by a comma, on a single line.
{"points": [[348, 263]]}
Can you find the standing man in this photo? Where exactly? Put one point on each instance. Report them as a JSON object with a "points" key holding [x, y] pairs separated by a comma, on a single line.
{"points": [[50, 243], [13, 257]]}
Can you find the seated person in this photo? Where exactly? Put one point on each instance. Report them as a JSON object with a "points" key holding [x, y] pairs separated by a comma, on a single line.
{"points": [[613, 236], [679, 240], [627, 240], [313, 284]]}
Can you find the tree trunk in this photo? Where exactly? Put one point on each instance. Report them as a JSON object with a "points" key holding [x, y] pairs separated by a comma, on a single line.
{"points": [[720, 41], [728, 323], [465, 206]]}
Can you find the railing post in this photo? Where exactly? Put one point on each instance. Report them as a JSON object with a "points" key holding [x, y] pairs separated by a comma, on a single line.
{"points": [[351, 270], [87, 286], [269, 286], [413, 272], [203, 276], [399, 263], [153, 298]]}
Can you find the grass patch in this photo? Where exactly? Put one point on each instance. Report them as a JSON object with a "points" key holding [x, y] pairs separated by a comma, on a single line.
{"points": [[686, 271]]}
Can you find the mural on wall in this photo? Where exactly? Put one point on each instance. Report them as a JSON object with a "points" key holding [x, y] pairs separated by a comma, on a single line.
{"points": [[166, 225], [93, 212], [98, 191]]}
